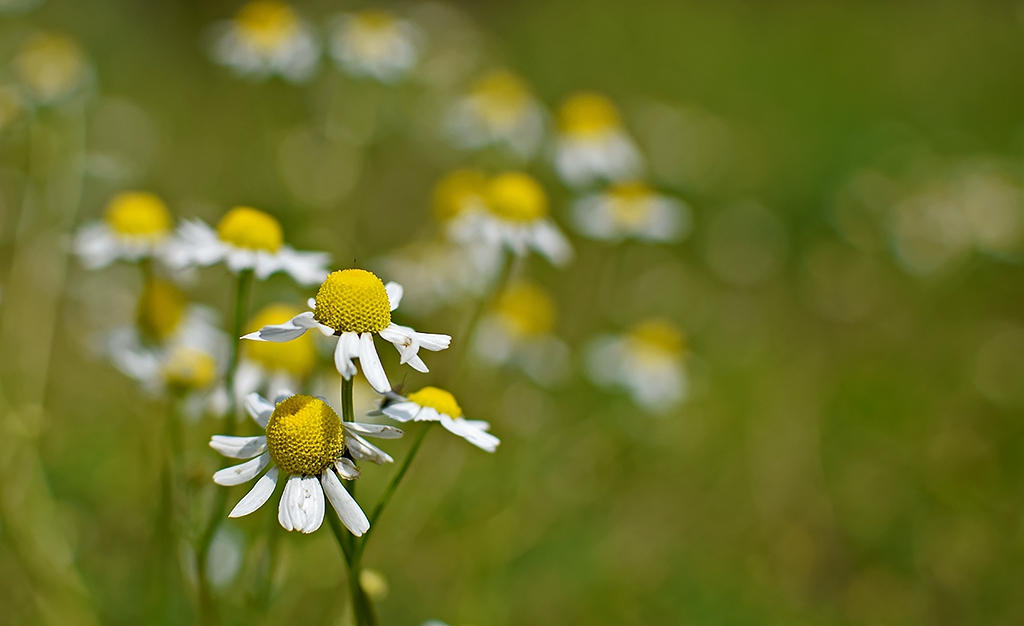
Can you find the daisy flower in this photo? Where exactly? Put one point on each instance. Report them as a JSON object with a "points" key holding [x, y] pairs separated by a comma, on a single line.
{"points": [[516, 217], [51, 67], [245, 239], [266, 37], [499, 109], [135, 226], [354, 305], [632, 210], [647, 361], [307, 442], [519, 331], [375, 44], [432, 404], [592, 143], [273, 366]]}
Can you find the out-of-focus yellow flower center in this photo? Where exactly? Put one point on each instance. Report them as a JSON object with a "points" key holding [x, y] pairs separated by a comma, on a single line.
{"points": [[304, 436], [631, 203], [297, 357], [588, 114], [527, 310], [374, 584], [51, 65], [500, 96], [437, 399], [139, 214], [267, 24], [353, 301], [161, 307], [459, 191], [245, 227], [657, 338], [189, 368], [373, 22], [517, 196]]}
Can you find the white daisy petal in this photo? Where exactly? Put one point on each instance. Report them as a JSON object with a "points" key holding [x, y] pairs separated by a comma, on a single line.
{"points": [[417, 364], [348, 509], [370, 362], [428, 414], [347, 469], [479, 437], [363, 450], [380, 431], [239, 447], [346, 350], [395, 292], [401, 411], [257, 496], [259, 409], [291, 329], [238, 474], [307, 268], [302, 504]]}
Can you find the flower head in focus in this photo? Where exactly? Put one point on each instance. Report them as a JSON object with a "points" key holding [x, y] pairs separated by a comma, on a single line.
{"points": [[307, 442], [51, 67], [354, 305], [274, 367], [592, 144], [432, 404], [633, 210], [647, 361], [245, 239], [266, 37], [135, 226], [375, 44], [498, 110]]}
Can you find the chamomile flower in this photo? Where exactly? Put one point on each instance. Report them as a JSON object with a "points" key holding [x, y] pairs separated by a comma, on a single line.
{"points": [[516, 217], [245, 239], [313, 448], [432, 404], [266, 37], [354, 305], [135, 226], [519, 330], [375, 44], [592, 144], [273, 367], [632, 210], [51, 67], [498, 110], [647, 361]]}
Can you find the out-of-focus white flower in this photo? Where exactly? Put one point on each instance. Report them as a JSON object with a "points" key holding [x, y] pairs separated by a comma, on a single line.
{"points": [[245, 239], [432, 404], [498, 110], [632, 210], [519, 331], [375, 44], [354, 305], [135, 226], [592, 145], [266, 37], [51, 67], [273, 367], [307, 442], [647, 361]]}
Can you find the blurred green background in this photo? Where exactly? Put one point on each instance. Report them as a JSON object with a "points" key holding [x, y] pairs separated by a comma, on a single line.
{"points": [[851, 449]]}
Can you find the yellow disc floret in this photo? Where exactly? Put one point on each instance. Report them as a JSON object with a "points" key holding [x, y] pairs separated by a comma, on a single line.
{"points": [[500, 96], [459, 191], [297, 357], [246, 227], [631, 203], [138, 214], [437, 399], [353, 301], [304, 436], [657, 338], [161, 307], [517, 196], [189, 368], [526, 309], [267, 24], [587, 114]]}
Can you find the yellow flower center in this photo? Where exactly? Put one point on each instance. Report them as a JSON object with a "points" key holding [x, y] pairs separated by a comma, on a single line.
{"points": [[458, 192], [51, 65], [501, 96], [437, 399], [189, 368], [304, 436], [517, 196], [527, 310], [161, 307], [266, 24], [353, 301], [657, 338], [297, 357], [631, 203], [245, 227], [139, 214], [587, 114]]}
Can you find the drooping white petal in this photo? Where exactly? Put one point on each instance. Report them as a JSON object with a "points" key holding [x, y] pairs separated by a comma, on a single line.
{"points": [[363, 450], [307, 268], [287, 331], [551, 243], [402, 411], [265, 264], [302, 504], [257, 496], [346, 350], [348, 509], [238, 474], [380, 431], [238, 259], [239, 447], [259, 409], [95, 246], [370, 362], [479, 437], [395, 292], [347, 469]]}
